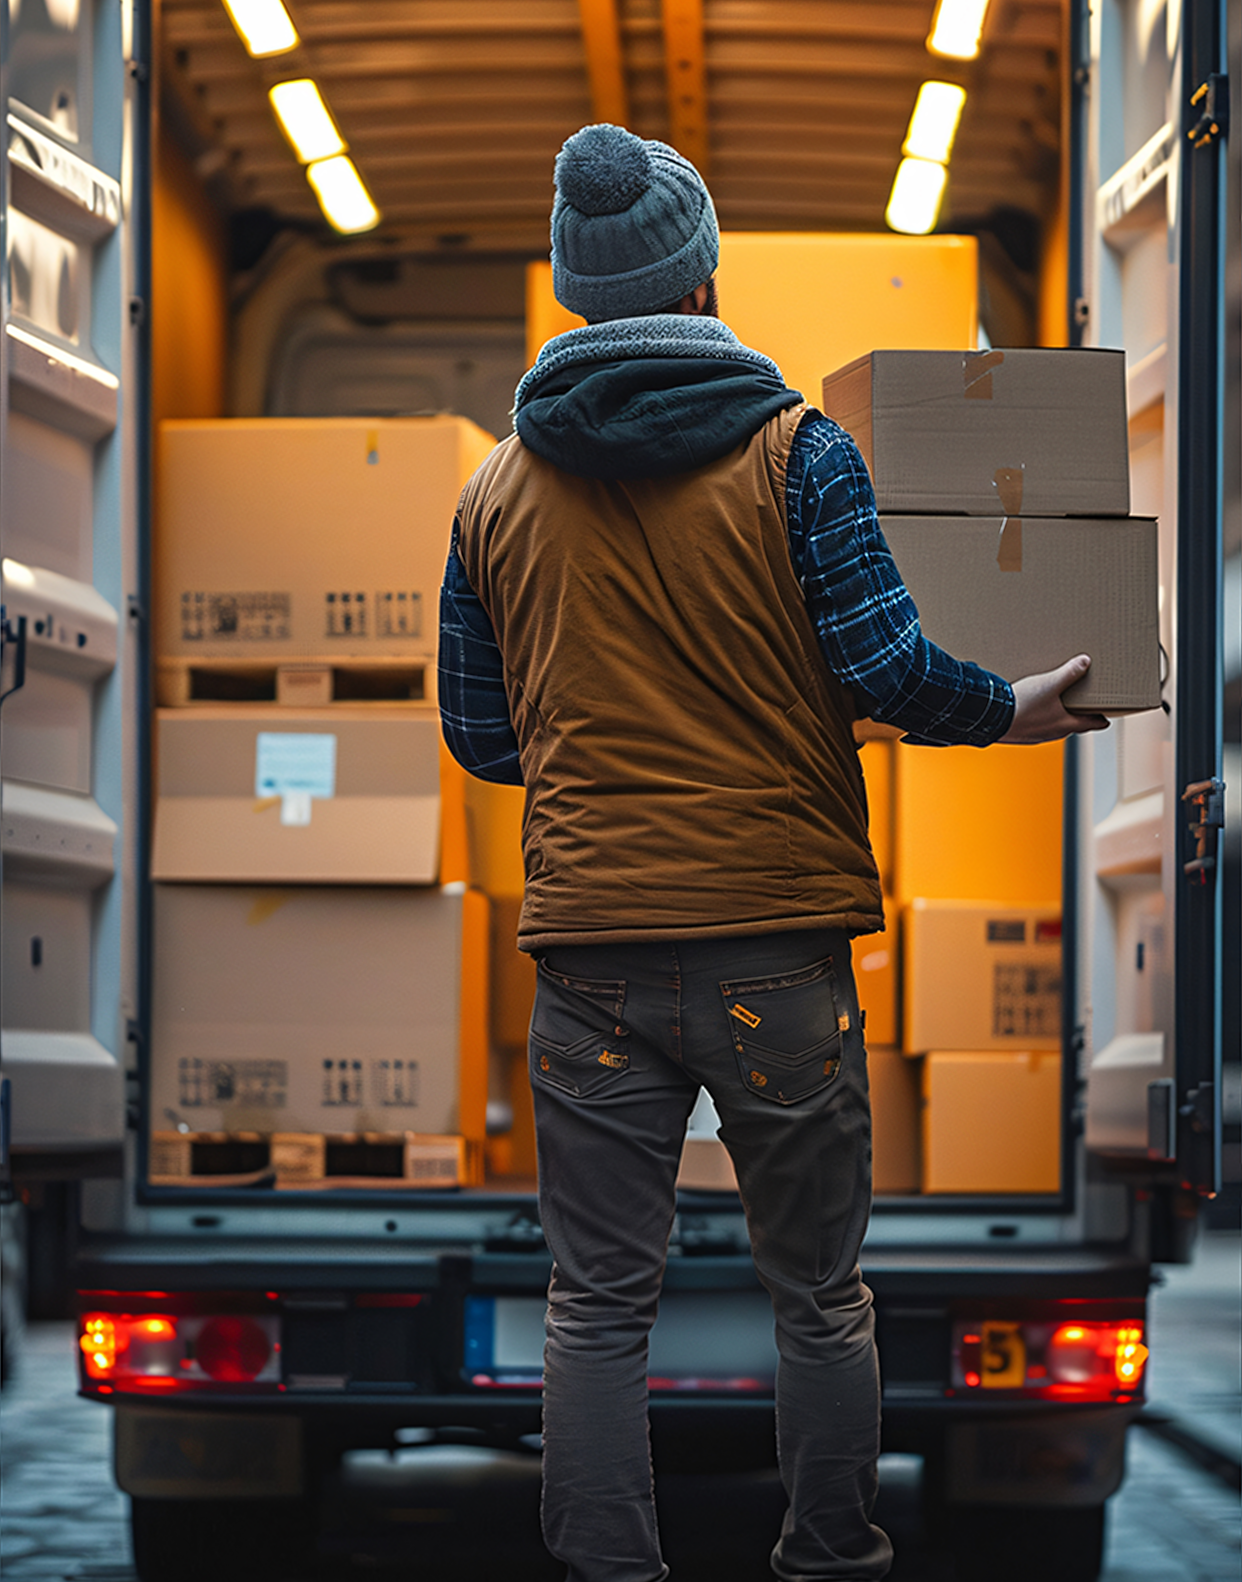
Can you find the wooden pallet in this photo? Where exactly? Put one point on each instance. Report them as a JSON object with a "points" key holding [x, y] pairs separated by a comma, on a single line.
{"points": [[314, 1161], [310, 683]]}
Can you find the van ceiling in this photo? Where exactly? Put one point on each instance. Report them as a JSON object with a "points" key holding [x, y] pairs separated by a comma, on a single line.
{"points": [[795, 110]]}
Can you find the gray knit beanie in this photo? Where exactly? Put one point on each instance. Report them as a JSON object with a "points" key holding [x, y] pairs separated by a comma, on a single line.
{"points": [[633, 227]]}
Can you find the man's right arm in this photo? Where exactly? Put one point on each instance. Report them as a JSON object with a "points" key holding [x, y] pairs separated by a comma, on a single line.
{"points": [[868, 625]]}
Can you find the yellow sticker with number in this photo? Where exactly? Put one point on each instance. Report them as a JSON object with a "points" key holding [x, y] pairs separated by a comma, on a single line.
{"points": [[1002, 1357]]}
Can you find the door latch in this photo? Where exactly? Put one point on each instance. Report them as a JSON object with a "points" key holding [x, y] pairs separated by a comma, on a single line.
{"points": [[1199, 1108], [12, 636], [1205, 801], [1211, 99]]}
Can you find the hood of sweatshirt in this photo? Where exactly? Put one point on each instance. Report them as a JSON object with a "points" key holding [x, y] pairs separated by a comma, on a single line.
{"points": [[647, 397]]}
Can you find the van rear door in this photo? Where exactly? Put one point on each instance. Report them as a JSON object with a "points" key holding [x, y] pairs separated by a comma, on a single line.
{"points": [[1149, 792], [70, 569]]}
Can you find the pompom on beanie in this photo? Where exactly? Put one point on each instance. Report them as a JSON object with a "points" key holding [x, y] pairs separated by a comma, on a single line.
{"points": [[633, 227]]}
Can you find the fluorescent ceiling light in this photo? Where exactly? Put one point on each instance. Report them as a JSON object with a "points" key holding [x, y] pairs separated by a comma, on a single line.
{"points": [[346, 203], [306, 119], [933, 126], [957, 28], [265, 26], [914, 202]]}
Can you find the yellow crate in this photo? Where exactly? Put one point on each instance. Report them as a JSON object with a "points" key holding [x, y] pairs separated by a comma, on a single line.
{"points": [[777, 291]]}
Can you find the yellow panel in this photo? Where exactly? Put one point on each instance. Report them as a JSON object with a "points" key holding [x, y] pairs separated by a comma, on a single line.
{"points": [[494, 825], [977, 825], [473, 1071], [876, 959], [876, 759], [545, 317], [814, 302], [991, 1122], [493, 820]]}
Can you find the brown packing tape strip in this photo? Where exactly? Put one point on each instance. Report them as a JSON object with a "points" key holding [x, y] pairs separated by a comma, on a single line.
{"points": [[1009, 550], [1008, 482], [977, 368]]}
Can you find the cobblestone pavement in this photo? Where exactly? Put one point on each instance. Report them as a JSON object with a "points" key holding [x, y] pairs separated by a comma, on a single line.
{"points": [[1173, 1521]]}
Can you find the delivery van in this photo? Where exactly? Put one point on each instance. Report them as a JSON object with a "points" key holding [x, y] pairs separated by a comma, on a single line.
{"points": [[264, 1018]]}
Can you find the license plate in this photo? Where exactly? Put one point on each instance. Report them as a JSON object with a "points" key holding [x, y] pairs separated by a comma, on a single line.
{"points": [[1002, 1357]]}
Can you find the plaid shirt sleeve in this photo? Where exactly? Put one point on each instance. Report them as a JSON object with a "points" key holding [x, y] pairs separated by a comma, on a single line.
{"points": [[474, 706], [866, 621]]}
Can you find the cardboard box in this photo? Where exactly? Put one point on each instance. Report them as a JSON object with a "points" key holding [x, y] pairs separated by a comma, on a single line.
{"points": [[980, 977], [895, 1117], [780, 291], [1020, 595], [875, 961], [308, 1010], [705, 1162], [981, 826], [306, 538], [991, 1122], [1026, 432], [232, 802], [875, 758]]}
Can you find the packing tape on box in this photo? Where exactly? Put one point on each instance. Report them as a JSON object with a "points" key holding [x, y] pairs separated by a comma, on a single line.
{"points": [[977, 370], [1007, 482]]}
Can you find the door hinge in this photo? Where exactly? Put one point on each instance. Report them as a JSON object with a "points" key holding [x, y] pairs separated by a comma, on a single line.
{"points": [[1206, 811], [1211, 99]]}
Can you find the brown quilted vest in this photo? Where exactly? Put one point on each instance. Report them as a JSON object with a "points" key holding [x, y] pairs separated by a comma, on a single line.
{"points": [[689, 759]]}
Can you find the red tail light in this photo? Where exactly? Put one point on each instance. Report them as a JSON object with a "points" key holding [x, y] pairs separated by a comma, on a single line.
{"points": [[162, 1352], [1087, 1359]]}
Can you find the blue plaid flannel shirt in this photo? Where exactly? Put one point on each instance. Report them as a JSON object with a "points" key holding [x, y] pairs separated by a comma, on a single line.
{"points": [[866, 621]]}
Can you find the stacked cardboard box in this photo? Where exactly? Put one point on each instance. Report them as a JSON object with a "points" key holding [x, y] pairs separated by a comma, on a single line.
{"points": [[319, 990], [1002, 482]]}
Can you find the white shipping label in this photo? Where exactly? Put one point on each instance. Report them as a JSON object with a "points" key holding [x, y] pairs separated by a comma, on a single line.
{"points": [[290, 764], [295, 807]]}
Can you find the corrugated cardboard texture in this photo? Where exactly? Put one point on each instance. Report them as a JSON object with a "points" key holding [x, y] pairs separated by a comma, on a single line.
{"points": [[1032, 431], [306, 1009], [382, 826], [306, 537], [991, 1123], [706, 1166], [895, 1107], [1084, 587], [980, 976]]}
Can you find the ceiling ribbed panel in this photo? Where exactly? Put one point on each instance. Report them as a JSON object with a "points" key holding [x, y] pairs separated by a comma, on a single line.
{"points": [[454, 109]]}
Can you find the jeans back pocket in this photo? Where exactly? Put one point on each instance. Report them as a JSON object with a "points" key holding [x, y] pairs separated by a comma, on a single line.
{"points": [[577, 1039], [787, 1031]]}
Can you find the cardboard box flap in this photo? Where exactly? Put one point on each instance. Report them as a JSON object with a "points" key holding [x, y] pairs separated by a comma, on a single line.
{"points": [[278, 795]]}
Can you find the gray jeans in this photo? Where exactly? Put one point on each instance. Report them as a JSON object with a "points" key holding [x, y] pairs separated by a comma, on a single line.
{"points": [[622, 1037]]}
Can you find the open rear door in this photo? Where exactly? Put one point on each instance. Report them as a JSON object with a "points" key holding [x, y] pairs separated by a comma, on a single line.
{"points": [[70, 581], [1150, 798]]}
